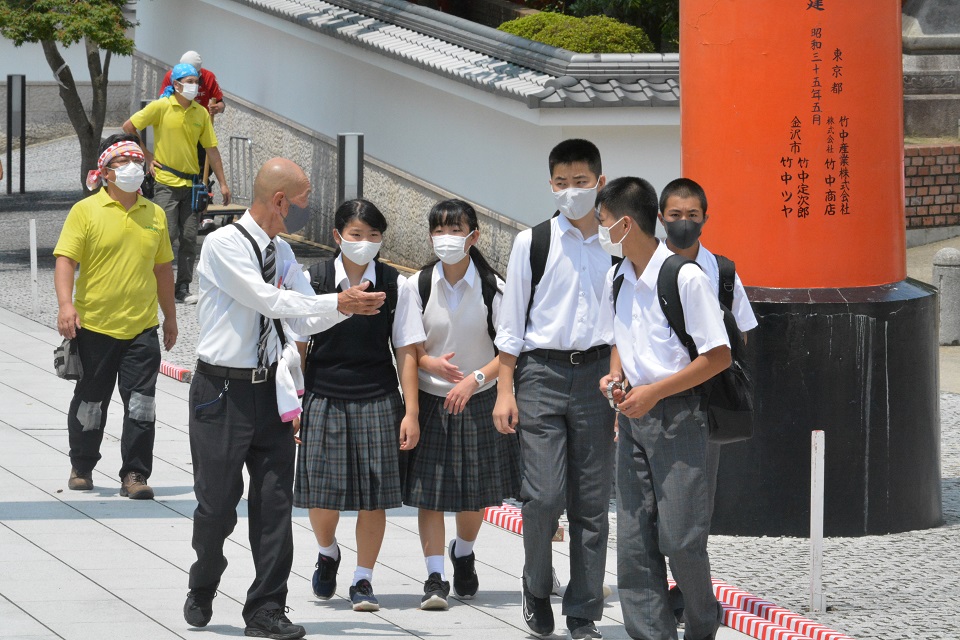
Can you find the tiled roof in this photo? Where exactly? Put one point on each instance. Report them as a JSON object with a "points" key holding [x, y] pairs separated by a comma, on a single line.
{"points": [[536, 74]]}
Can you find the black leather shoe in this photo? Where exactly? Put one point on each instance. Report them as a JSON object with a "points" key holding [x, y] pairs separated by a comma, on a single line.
{"points": [[198, 609], [465, 581], [273, 623], [537, 613]]}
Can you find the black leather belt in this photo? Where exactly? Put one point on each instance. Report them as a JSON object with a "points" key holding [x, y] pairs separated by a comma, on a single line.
{"points": [[573, 357], [232, 373]]}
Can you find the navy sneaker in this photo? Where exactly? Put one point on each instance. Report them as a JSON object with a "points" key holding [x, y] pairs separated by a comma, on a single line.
{"points": [[435, 592], [537, 613], [361, 595], [325, 577], [465, 581]]}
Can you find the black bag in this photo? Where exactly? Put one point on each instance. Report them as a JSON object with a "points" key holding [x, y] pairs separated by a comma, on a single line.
{"points": [[728, 397], [147, 189], [66, 360]]}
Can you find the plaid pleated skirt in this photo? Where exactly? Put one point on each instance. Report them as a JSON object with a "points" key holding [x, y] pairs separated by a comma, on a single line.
{"points": [[348, 459], [461, 463]]}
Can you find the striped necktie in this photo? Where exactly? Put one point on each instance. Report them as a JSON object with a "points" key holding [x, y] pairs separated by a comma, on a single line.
{"points": [[269, 276]]}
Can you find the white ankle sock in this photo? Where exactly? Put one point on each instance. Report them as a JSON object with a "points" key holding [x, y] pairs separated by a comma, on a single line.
{"points": [[333, 551], [463, 547], [362, 573], [435, 565]]}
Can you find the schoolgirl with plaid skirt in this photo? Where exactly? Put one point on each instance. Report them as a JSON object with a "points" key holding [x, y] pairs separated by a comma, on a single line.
{"points": [[350, 433], [462, 464]]}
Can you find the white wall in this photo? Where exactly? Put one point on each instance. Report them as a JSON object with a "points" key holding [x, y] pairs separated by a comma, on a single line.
{"points": [[488, 149], [29, 60]]}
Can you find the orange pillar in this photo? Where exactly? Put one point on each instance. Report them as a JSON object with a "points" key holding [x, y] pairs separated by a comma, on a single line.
{"points": [[791, 119]]}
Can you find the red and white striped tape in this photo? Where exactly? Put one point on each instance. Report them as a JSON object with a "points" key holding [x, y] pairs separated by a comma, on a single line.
{"points": [[742, 611], [505, 516], [177, 373]]}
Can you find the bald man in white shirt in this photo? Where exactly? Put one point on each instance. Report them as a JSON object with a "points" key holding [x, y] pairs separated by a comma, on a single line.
{"points": [[249, 283]]}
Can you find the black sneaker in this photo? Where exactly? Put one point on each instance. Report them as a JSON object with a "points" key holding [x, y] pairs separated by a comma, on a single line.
{"points": [[435, 592], [675, 602], [325, 577], [465, 581], [273, 623], [361, 595], [582, 629], [198, 609], [537, 613]]}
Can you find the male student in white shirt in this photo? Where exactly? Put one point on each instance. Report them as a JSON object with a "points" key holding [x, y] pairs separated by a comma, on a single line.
{"points": [[662, 486]]}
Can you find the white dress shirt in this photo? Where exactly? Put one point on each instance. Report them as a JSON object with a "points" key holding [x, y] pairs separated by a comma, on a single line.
{"points": [[370, 274], [471, 346], [649, 349], [566, 303], [233, 296], [742, 311]]}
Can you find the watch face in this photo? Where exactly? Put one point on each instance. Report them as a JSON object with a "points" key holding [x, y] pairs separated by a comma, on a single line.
{"points": [[478, 375]]}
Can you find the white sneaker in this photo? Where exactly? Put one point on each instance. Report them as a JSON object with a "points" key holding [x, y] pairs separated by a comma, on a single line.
{"points": [[191, 299]]}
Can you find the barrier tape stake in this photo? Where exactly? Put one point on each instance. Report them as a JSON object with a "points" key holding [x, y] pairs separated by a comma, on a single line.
{"points": [[817, 600]]}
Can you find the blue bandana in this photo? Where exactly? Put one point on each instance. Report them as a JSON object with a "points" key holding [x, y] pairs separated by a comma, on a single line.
{"points": [[179, 72]]}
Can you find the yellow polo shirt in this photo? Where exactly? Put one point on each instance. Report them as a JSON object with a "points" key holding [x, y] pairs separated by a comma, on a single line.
{"points": [[117, 250], [176, 132]]}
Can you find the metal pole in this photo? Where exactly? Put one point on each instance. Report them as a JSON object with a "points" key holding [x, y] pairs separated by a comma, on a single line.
{"points": [[33, 265], [817, 446], [349, 166], [16, 126]]}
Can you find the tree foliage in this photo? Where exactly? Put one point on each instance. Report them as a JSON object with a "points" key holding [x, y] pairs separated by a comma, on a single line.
{"points": [[660, 19], [593, 34], [101, 26]]}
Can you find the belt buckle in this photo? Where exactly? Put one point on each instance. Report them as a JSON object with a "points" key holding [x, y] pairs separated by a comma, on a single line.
{"points": [[260, 374], [575, 356]]}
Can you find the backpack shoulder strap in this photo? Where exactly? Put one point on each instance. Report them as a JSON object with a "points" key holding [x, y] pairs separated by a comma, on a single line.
{"points": [[617, 283], [424, 284], [388, 276], [256, 250], [728, 275], [539, 249], [322, 275], [668, 293]]}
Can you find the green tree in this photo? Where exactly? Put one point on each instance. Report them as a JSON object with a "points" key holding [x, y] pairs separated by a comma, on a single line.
{"points": [[101, 25], [660, 19]]}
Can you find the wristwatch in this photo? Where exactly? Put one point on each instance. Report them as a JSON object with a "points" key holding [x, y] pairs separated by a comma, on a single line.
{"points": [[479, 377]]}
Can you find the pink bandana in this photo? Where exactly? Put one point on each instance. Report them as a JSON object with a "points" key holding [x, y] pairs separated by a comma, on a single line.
{"points": [[123, 148]]}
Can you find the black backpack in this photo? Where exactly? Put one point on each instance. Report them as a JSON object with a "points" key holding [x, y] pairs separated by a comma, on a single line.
{"points": [[539, 248], [488, 290], [729, 394], [323, 280]]}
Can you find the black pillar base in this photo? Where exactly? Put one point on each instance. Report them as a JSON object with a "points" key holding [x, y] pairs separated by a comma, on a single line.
{"points": [[861, 364]]}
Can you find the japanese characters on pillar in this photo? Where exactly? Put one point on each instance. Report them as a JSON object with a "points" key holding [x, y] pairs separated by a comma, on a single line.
{"points": [[791, 118]]}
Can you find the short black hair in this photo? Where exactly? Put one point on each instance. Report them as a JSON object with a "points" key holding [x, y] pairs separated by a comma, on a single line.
{"points": [[576, 150], [634, 197], [118, 137], [362, 210], [685, 188]]}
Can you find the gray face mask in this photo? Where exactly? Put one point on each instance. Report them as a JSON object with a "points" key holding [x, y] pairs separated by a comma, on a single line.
{"points": [[297, 218], [683, 233]]}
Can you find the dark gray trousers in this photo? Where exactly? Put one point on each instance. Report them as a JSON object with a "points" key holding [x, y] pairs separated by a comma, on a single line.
{"points": [[566, 444], [182, 226], [663, 509]]}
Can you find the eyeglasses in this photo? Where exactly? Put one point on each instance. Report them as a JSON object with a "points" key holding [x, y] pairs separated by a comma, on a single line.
{"points": [[122, 162]]}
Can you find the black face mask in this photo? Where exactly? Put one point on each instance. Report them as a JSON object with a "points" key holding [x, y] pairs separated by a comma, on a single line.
{"points": [[297, 218], [683, 233]]}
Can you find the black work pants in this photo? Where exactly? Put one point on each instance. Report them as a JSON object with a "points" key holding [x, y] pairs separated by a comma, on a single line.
{"points": [[235, 423], [135, 363]]}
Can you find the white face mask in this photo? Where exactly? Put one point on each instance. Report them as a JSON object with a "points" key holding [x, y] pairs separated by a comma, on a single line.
{"points": [[360, 252], [129, 177], [576, 203], [450, 249], [613, 248], [189, 91]]}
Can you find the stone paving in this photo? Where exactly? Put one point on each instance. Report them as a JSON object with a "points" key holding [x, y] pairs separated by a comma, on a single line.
{"points": [[884, 587]]}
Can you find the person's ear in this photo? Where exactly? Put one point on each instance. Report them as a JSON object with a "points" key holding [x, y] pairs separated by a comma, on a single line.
{"points": [[601, 182], [705, 218], [337, 237]]}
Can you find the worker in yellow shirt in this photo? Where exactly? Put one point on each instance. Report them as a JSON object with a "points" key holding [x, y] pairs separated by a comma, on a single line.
{"points": [[119, 239], [179, 123]]}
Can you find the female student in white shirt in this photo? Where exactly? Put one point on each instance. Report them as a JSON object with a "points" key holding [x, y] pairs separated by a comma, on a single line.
{"points": [[349, 456], [462, 464]]}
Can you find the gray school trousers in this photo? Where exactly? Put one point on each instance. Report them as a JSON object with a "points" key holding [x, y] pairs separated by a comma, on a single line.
{"points": [[663, 509], [566, 445]]}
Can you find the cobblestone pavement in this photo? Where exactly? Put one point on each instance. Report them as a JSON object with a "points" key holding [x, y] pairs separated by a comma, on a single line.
{"points": [[903, 586]]}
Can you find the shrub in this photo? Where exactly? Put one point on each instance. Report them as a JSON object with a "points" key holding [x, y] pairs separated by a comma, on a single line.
{"points": [[593, 34]]}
